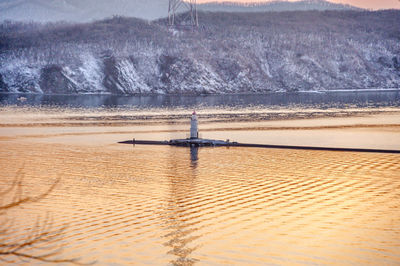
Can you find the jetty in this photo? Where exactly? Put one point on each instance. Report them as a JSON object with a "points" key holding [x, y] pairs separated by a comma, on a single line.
{"points": [[195, 141]]}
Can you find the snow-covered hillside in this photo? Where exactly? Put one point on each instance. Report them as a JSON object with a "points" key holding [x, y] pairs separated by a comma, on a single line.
{"points": [[229, 53]]}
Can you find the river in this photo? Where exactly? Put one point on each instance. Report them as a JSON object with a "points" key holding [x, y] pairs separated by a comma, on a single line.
{"points": [[124, 204]]}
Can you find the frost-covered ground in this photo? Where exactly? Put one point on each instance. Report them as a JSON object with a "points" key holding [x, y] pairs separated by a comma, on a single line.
{"points": [[229, 53]]}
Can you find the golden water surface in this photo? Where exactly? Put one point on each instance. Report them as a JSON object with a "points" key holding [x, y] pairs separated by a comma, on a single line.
{"points": [[164, 205]]}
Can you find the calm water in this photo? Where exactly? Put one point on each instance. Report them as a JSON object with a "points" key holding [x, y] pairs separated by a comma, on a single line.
{"points": [[123, 204], [324, 100]]}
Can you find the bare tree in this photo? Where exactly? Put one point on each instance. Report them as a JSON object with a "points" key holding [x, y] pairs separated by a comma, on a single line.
{"points": [[42, 239]]}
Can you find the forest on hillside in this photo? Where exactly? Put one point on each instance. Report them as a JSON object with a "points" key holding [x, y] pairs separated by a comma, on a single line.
{"points": [[228, 53]]}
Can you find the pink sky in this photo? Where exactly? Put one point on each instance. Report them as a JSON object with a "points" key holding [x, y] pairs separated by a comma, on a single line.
{"points": [[370, 4]]}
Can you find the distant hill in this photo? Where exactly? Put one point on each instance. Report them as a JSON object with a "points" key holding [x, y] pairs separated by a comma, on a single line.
{"points": [[321, 5], [90, 10], [80, 10]]}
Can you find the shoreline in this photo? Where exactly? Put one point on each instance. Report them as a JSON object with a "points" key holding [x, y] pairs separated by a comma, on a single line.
{"points": [[207, 94]]}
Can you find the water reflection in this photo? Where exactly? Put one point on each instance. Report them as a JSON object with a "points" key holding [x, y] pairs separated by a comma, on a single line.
{"points": [[194, 156], [181, 230]]}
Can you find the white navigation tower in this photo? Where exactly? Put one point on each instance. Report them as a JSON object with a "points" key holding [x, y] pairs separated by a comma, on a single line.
{"points": [[194, 131], [193, 141]]}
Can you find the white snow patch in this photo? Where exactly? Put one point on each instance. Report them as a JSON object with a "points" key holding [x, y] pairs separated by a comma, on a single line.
{"points": [[92, 73], [19, 76], [129, 78]]}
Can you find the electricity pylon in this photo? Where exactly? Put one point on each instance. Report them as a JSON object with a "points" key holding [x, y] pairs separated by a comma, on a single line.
{"points": [[188, 9]]}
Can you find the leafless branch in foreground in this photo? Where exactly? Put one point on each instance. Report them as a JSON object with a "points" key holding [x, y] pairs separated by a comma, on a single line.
{"points": [[42, 239]]}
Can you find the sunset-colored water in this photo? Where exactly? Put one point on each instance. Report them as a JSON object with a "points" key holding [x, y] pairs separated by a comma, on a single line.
{"points": [[163, 205]]}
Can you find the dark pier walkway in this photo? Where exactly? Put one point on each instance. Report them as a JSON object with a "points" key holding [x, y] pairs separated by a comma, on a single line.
{"points": [[219, 143]]}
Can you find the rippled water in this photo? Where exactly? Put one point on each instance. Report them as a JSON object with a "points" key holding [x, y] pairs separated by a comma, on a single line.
{"points": [[170, 205]]}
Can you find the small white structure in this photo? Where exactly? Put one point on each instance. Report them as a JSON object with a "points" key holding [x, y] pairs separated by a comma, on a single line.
{"points": [[194, 140], [194, 131]]}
